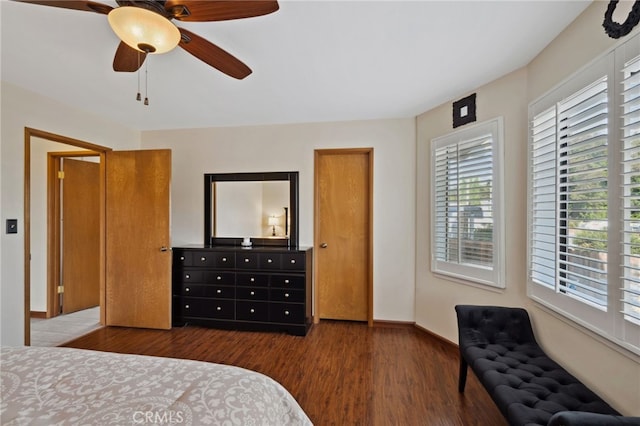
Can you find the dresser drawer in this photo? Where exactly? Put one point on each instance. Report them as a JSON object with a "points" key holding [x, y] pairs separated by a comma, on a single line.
{"points": [[207, 308], [252, 280], [288, 281], [270, 261], [219, 291], [292, 313], [205, 290], [252, 293], [252, 311], [192, 290], [214, 259], [247, 261], [189, 276], [182, 258], [293, 261], [220, 278], [284, 295]]}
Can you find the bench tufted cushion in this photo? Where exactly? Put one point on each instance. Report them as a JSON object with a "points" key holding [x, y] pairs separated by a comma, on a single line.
{"points": [[527, 386]]}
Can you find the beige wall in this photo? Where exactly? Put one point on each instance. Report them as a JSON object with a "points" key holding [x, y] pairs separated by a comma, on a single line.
{"points": [[21, 108], [611, 372], [291, 148], [435, 296]]}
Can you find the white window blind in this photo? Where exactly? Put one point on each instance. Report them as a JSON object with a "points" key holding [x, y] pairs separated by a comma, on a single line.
{"points": [[582, 194], [465, 194], [544, 181], [584, 187], [630, 182]]}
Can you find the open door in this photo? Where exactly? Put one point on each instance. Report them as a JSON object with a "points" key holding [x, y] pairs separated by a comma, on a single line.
{"points": [[138, 259], [80, 235]]}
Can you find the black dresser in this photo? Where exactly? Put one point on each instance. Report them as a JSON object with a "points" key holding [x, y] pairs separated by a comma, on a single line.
{"points": [[260, 288]]}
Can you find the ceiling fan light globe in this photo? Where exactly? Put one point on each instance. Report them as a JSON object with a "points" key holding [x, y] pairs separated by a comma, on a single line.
{"points": [[144, 30]]}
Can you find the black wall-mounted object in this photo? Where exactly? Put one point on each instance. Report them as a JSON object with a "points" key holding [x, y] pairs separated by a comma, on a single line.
{"points": [[464, 111], [12, 226], [615, 29]]}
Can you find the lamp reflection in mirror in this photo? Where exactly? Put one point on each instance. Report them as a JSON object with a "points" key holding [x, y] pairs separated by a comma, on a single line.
{"points": [[273, 221]]}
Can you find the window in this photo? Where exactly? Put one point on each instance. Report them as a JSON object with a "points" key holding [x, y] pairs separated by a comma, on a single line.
{"points": [[584, 204], [466, 193]]}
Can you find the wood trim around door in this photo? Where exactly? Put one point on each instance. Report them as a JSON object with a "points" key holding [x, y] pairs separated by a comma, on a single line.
{"points": [[30, 133], [342, 151]]}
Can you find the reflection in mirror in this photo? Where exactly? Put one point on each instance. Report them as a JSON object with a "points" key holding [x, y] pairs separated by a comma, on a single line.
{"points": [[252, 209], [259, 206]]}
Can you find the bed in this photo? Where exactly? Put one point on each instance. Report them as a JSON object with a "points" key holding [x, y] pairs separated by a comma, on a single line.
{"points": [[65, 386]]}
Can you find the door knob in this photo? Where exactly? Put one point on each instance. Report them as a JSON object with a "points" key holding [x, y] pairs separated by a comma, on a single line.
{"points": [[323, 245], [163, 248]]}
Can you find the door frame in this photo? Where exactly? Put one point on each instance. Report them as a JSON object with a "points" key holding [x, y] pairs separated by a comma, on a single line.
{"points": [[30, 133], [54, 235], [316, 224]]}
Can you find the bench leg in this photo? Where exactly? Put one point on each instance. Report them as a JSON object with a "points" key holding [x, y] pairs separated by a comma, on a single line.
{"points": [[462, 377]]}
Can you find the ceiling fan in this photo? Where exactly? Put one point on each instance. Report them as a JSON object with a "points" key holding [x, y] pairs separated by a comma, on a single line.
{"points": [[163, 35]]}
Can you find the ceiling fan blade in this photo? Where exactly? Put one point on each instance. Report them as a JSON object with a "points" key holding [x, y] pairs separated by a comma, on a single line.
{"points": [[128, 59], [87, 6], [213, 55], [203, 10]]}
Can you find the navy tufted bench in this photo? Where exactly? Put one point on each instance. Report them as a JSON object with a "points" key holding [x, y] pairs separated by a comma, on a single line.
{"points": [[528, 387]]}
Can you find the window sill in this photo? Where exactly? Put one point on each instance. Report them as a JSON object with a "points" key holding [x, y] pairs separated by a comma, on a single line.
{"points": [[575, 323], [468, 282]]}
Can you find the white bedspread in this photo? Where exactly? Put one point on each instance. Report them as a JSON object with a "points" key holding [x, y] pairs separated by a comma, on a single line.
{"points": [[64, 386]]}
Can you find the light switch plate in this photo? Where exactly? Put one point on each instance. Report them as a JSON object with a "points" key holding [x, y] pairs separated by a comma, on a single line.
{"points": [[12, 226]]}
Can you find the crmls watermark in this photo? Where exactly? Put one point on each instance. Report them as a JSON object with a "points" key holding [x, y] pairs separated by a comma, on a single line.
{"points": [[158, 417]]}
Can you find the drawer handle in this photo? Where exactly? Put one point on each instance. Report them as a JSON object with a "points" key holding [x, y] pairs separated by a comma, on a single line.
{"points": [[203, 259], [218, 308], [269, 261], [186, 289], [293, 261], [246, 260], [252, 310], [187, 276], [286, 281], [181, 257], [218, 277], [224, 259], [286, 312], [219, 291], [186, 306], [286, 295], [253, 293]]}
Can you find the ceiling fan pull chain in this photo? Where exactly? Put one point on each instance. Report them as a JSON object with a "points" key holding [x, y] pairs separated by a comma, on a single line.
{"points": [[146, 83], [138, 97]]}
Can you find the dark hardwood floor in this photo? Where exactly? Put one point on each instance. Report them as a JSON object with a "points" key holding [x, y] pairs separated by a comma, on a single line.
{"points": [[341, 373]]}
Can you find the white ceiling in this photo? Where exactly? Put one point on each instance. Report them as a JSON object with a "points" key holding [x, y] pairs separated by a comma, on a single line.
{"points": [[312, 61]]}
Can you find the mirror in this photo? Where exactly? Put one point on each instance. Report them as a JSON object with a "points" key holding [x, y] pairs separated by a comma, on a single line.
{"points": [[261, 206]]}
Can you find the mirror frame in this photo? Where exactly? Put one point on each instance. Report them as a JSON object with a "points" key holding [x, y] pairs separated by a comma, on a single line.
{"points": [[291, 177]]}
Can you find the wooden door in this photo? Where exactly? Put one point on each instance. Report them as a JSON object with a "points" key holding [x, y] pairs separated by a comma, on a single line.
{"points": [[138, 261], [343, 234], [80, 250]]}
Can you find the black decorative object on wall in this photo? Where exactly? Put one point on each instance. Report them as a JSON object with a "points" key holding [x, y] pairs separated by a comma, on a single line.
{"points": [[615, 29], [464, 111]]}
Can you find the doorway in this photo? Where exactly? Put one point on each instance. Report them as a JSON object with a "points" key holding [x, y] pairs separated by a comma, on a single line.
{"points": [[343, 233], [39, 244]]}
